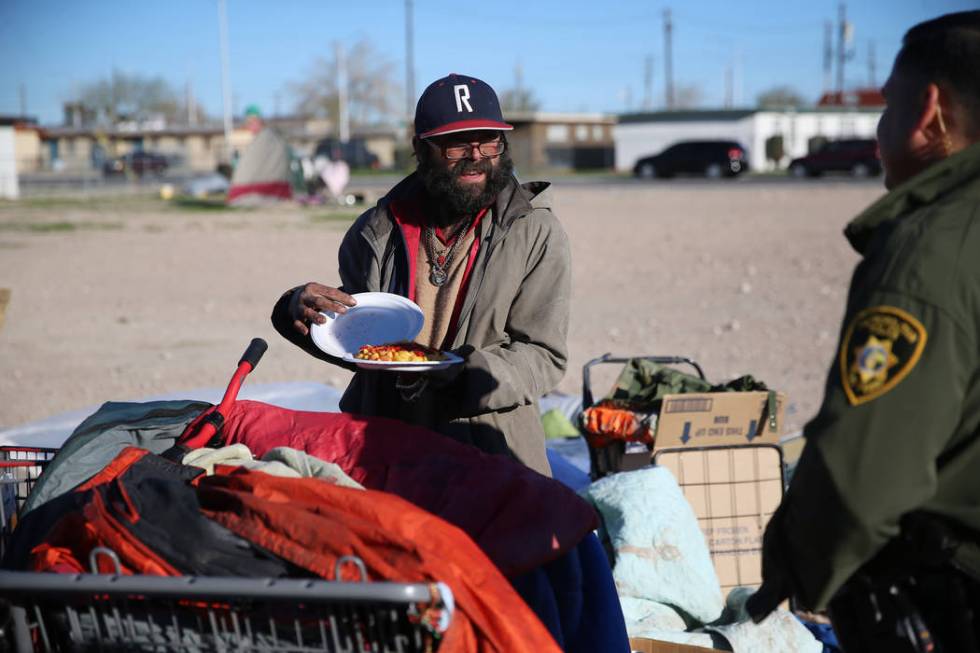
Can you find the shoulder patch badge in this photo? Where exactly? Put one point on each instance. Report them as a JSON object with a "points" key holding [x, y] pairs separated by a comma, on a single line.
{"points": [[880, 347]]}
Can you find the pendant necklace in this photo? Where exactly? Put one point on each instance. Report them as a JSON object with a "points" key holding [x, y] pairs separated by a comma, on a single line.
{"points": [[439, 264]]}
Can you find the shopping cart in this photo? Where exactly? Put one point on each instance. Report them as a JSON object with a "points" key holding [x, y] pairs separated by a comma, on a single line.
{"points": [[733, 490], [623, 452], [20, 467], [56, 612]]}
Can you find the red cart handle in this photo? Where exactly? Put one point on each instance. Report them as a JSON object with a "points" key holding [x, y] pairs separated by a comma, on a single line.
{"points": [[204, 430]]}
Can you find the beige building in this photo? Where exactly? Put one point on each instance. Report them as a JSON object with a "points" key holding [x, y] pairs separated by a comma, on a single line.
{"points": [[540, 142], [193, 148], [27, 147], [86, 148], [561, 141]]}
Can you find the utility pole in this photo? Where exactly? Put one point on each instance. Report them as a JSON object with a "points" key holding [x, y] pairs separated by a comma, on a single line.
{"points": [[872, 77], [729, 86], [738, 92], [409, 62], [22, 89], [225, 76], [519, 100], [189, 101], [828, 54], [648, 83], [668, 61], [843, 38], [343, 119]]}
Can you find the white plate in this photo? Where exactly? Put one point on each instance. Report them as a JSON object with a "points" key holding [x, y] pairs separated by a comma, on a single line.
{"points": [[379, 318], [398, 366]]}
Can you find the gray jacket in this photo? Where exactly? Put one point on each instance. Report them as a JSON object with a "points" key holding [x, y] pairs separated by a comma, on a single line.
{"points": [[512, 328]]}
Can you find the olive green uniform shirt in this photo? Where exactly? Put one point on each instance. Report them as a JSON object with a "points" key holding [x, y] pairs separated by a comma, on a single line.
{"points": [[898, 429]]}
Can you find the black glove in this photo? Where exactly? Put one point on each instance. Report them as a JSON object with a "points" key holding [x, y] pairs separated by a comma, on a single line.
{"points": [[767, 598], [411, 385], [777, 585]]}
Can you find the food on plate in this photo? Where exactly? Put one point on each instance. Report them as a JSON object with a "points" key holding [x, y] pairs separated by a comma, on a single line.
{"points": [[399, 352]]}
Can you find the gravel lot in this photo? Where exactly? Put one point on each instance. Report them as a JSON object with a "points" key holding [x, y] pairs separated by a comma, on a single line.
{"points": [[129, 297]]}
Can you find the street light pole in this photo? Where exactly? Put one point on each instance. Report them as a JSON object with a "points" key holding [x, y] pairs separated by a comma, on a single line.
{"points": [[225, 76], [343, 112], [409, 61]]}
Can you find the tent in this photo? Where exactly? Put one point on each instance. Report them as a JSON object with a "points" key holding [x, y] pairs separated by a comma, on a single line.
{"points": [[264, 172]]}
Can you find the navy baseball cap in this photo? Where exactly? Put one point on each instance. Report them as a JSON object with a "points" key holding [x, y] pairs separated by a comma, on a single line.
{"points": [[457, 103]]}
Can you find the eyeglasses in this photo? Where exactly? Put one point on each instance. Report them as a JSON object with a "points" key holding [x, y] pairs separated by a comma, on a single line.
{"points": [[454, 151]]}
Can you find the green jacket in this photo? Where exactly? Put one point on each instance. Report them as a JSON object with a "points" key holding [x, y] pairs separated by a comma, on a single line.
{"points": [[899, 428], [512, 329]]}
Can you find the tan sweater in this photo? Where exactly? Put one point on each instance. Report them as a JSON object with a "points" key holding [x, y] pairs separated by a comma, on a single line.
{"points": [[437, 302]]}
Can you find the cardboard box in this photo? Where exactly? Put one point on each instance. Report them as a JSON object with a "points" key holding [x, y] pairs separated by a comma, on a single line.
{"points": [[643, 645], [733, 491], [711, 419], [733, 488]]}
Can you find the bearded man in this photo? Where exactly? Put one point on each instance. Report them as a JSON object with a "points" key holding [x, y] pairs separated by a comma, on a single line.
{"points": [[486, 260]]}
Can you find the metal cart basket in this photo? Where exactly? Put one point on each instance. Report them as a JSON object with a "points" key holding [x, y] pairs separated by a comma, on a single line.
{"points": [[68, 612]]}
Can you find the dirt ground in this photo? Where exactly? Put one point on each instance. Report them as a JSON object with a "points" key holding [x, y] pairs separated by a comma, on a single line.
{"points": [[129, 297]]}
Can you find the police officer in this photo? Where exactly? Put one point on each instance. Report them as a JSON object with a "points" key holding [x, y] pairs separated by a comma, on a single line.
{"points": [[882, 519]]}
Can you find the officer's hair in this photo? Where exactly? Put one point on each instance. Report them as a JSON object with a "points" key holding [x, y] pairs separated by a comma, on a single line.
{"points": [[946, 51]]}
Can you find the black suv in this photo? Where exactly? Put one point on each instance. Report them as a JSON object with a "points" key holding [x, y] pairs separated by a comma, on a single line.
{"points": [[708, 158], [354, 152], [857, 156], [137, 162]]}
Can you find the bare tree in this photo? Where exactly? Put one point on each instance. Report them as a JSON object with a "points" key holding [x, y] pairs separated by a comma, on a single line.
{"points": [[687, 96], [519, 99], [779, 97], [124, 96], [373, 95]]}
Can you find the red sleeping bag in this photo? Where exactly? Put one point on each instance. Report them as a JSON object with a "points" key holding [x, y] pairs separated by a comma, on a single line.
{"points": [[519, 518]]}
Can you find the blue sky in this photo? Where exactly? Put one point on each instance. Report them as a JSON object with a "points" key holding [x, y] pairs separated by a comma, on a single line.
{"points": [[575, 55]]}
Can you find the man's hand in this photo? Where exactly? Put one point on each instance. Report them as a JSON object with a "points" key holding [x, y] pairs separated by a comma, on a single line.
{"points": [[307, 302], [448, 375]]}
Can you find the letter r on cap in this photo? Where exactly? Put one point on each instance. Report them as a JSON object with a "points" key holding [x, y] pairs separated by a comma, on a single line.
{"points": [[462, 92]]}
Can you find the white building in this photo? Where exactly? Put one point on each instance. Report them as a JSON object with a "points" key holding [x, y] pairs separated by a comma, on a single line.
{"points": [[641, 134], [9, 187]]}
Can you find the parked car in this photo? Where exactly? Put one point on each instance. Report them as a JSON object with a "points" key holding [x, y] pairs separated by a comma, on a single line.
{"points": [[354, 152], [138, 163], [857, 156], [708, 158]]}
